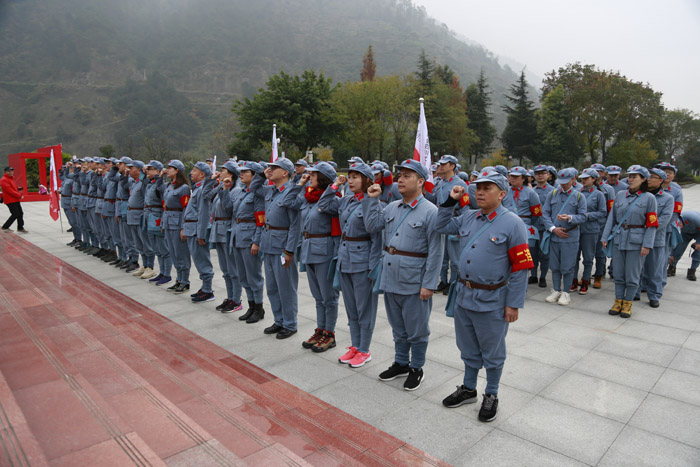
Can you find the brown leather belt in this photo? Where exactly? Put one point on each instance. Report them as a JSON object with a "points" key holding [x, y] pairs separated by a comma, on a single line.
{"points": [[269, 227], [222, 219], [356, 239], [571, 228], [525, 217], [476, 285], [123, 199], [173, 209], [322, 235], [630, 226], [246, 221], [110, 200], [393, 251], [135, 209], [153, 206], [95, 197], [191, 220], [66, 196]]}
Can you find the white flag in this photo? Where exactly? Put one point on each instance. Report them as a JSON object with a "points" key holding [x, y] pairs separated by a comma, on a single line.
{"points": [[53, 193], [274, 144], [213, 165], [421, 150]]}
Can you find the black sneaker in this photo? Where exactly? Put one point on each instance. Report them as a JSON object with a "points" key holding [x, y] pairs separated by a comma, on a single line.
{"points": [[532, 280], [274, 329], [393, 372], [414, 380], [173, 287], [285, 333], [461, 396], [654, 303], [199, 292], [489, 408], [182, 288], [203, 297], [223, 305], [543, 283]]}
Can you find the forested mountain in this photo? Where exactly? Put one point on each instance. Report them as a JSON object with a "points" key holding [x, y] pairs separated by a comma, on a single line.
{"points": [[65, 63]]}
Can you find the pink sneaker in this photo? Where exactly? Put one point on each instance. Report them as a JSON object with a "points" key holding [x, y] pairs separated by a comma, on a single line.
{"points": [[360, 359], [349, 355]]}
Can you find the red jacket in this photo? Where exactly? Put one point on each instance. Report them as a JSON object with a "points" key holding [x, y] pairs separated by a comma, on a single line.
{"points": [[10, 193]]}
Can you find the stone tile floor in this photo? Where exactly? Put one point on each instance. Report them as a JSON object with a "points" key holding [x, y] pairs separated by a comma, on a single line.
{"points": [[579, 387]]}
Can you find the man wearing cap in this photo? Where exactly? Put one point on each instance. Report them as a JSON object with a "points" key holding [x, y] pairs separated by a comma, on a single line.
{"points": [[246, 229], [76, 200], [98, 198], [562, 213], [526, 204], [194, 229], [300, 167], [384, 178], [154, 237], [278, 243], [443, 187], [654, 269], [120, 212], [109, 213], [11, 197], [590, 230], [630, 232], [65, 174], [410, 268], [84, 183], [134, 218], [689, 232], [673, 189], [492, 285], [614, 179], [609, 192], [539, 258]]}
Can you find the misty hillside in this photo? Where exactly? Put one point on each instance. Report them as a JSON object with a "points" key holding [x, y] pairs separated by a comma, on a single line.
{"points": [[62, 60]]}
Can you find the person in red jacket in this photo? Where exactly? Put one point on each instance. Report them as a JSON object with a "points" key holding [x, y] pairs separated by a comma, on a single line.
{"points": [[11, 197]]}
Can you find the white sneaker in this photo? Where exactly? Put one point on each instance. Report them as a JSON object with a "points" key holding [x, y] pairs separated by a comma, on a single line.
{"points": [[148, 273], [564, 299], [138, 272], [553, 297]]}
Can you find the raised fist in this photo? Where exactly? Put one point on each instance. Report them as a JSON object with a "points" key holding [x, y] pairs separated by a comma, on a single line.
{"points": [[457, 192], [304, 178], [341, 180], [228, 182], [215, 175], [374, 190]]}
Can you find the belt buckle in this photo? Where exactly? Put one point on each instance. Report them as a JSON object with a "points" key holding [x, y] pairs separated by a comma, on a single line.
{"points": [[392, 250], [306, 235], [468, 284]]}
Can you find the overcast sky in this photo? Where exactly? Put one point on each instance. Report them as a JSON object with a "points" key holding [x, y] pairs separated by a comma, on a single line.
{"points": [[654, 41]]}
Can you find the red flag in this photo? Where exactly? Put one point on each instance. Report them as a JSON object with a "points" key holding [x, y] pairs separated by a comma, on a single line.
{"points": [[53, 193], [421, 150]]}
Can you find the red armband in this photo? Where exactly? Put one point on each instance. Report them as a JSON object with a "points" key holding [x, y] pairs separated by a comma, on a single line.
{"points": [[652, 220], [184, 200], [260, 218], [536, 211], [520, 258], [388, 179], [464, 200], [678, 207], [335, 227], [610, 204]]}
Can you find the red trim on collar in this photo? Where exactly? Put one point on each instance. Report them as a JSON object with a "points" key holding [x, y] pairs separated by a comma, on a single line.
{"points": [[359, 196], [448, 181], [492, 216], [413, 203]]}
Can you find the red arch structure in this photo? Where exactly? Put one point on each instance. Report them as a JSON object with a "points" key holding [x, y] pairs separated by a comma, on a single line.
{"points": [[19, 163]]}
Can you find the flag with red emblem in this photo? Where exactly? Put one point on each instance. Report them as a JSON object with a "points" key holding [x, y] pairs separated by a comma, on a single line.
{"points": [[520, 258], [421, 150]]}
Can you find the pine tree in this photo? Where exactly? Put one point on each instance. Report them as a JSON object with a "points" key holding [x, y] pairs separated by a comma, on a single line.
{"points": [[368, 66], [520, 135], [425, 71], [478, 103]]}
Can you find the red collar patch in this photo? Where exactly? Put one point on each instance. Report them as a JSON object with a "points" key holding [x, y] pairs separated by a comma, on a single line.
{"points": [[282, 187], [448, 181], [359, 196], [413, 204], [198, 184], [492, 216]]}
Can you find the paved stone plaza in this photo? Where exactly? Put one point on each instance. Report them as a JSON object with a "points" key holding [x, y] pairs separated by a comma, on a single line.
{"points": [[579, 387]]}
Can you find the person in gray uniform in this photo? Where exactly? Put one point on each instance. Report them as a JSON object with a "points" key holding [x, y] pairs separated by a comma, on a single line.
{"points": [[563, 211], [66, 175], [300, 167], [654, 268], [358, 253], [690, 231], [175, 200], [153, 220], [248, 213], [194, 229], [109, 210], [278, 243], [222, 213], [600, 258], [445, 169], [539, 258], [629, 232], [410, 268], [673, 189], [120, 210], [318, 248], [590, 230], [134, 215], [493, 274]]}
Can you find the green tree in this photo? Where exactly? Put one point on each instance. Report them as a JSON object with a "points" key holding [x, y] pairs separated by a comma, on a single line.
{"points": [[632, 151], [107, 151], [682, 128], [478, 99], [557, 144], [299, 105], [520, 135], [368, 66], [426, 69]]}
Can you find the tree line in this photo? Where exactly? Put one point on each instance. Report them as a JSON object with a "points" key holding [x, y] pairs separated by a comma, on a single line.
{"points": [[584, 115]]}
